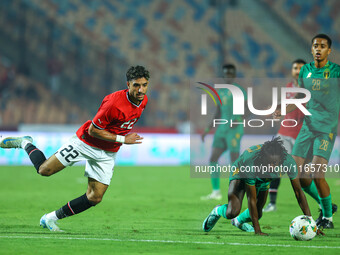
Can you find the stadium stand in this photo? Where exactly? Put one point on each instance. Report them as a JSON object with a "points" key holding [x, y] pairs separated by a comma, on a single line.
{"points": [[80, 49], [24, 100], [309, 18]]}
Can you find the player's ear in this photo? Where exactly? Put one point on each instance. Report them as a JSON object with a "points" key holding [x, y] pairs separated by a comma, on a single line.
{"points": [[128, 84], [329, 51]]}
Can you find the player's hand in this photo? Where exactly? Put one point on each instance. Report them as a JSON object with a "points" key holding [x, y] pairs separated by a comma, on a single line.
{"points": [[261, 233], [133, 138], [319, 232], [277, 114]]}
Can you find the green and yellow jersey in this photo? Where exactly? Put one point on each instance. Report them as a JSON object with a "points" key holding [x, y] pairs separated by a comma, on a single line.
{"points": [[247, 170], [323, 83], [226, 109]]}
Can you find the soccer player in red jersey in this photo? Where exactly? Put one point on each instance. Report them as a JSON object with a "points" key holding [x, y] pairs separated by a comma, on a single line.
{"points": [[96, 141], [287, 134]]}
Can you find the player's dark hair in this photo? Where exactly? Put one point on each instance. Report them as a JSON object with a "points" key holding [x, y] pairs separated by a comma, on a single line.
{"points": [[136, 72], [229, 66], [324, 36], [299, 61], [271, 148]]}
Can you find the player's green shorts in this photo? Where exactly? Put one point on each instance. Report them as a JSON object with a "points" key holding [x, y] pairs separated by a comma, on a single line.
{"points": [[313, 143], [260, 186], [230, 140]]}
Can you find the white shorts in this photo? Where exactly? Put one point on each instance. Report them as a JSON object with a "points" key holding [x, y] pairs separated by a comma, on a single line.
{"points": [[288, 143], [99, 163]]}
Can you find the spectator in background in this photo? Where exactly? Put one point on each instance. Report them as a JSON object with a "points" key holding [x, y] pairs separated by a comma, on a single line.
{"points": [[226, 138], [54, 68]]}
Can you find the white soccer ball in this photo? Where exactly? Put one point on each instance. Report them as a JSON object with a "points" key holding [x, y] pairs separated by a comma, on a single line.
{"points": [[303, 228]]}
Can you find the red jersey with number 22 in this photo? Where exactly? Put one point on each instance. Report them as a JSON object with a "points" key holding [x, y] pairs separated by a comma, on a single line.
{"points": [[117, 115]]}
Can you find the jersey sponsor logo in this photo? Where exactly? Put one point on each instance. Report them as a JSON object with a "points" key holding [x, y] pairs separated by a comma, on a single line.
{"points": [[309, 75]]}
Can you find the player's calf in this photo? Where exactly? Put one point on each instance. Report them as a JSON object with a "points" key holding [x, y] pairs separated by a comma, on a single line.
{"points": [[73, 207]]}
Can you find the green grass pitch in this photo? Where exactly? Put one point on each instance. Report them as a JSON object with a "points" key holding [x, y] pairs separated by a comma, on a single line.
{"points": [[146, 210]]}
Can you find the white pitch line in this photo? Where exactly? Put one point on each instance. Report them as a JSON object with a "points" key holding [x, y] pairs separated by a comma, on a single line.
{"points": [[168, 241]]}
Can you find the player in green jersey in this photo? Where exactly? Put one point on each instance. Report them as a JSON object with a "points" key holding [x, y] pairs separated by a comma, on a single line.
{"points": [[252, 173], [226, 137], [287, 134], [318, 132]]}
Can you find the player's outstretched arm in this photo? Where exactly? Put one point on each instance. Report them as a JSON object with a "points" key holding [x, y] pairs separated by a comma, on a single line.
{"points": [[289, 108], [132, 138], [251, 195], [300, 196]]}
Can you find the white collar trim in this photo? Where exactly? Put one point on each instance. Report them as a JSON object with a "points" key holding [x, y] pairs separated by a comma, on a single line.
{"points": [[127, 96]]}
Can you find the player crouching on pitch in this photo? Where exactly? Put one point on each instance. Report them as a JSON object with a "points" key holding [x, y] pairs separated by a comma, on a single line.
{"points": [[256, 184]]}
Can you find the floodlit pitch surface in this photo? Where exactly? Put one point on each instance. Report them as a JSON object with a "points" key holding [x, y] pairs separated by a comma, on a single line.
{"points": [[150, 210]]}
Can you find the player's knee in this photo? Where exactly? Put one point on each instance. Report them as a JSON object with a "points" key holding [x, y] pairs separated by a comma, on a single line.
{"points": [[305, 182], [230, 214], [321, 185], [45, 171], [94, 200], [319, 182]]}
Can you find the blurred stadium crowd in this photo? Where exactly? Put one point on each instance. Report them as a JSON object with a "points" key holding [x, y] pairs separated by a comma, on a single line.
{"points": [[59, 58]]}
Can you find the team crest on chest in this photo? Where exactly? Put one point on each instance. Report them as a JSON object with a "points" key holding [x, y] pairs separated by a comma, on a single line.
{"points": [[326, 74]]}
